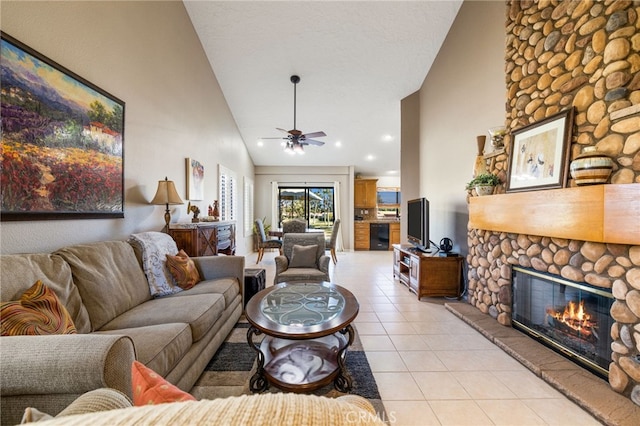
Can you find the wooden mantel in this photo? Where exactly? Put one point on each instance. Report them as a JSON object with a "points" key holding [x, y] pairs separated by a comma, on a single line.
{"points": [[599, 213]]}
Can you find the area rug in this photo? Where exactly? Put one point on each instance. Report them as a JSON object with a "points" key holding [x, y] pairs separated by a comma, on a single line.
{"points": [[230, 369]]}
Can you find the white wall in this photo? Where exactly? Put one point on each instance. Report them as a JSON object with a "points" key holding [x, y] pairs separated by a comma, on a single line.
{"points": [[462, 96], [147, 54]]}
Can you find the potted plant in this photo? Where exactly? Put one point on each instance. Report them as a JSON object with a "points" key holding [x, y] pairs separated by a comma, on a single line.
{"points": [[484, 183]]}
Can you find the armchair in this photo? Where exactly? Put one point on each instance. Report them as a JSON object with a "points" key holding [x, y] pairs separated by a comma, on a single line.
{"points": [[299, 261]]}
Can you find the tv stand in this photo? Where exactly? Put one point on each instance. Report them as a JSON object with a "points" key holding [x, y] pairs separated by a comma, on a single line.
{"points": [[426, 274]]}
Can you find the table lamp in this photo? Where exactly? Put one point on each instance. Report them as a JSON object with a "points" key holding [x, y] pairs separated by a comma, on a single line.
{"points": [[166, 194]]}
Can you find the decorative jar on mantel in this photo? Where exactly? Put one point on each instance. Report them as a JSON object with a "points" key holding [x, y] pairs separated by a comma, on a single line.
{"points": [[591, 167]]}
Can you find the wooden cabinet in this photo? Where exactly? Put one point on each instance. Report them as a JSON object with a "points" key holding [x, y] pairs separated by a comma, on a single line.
{"points": [[361, 234], [204, 238], [365, 193], [426, 274], [394, 234]]}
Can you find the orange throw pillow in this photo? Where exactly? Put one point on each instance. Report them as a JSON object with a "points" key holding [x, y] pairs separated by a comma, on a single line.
{"points": [[38, 312], [183, 270], [149, 388]]}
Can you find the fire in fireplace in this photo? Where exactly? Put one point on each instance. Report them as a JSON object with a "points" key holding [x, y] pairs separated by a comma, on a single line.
{"points": [[571, 317]]}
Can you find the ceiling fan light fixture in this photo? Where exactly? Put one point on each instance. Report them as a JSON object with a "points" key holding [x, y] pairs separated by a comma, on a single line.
{"points": [[298, 149]]}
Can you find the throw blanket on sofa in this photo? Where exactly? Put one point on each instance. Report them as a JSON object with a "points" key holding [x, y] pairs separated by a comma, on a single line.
{"points": [[153, 248]]}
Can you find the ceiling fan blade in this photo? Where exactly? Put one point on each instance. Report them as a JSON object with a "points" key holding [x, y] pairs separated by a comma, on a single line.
{"points": [[312, 142], [314, 135], [282, 130], [279, 138]]}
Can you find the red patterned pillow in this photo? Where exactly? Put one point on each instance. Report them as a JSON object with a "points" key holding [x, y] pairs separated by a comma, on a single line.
{"points": [[38, 311], [184, 270], [149, 388]]}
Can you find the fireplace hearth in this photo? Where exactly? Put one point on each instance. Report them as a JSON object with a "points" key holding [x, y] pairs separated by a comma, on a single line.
{"points": [[572, 318]]}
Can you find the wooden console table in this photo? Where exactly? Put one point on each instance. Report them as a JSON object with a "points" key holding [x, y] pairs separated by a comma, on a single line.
{"points": [[426, 274], [204, 238]]}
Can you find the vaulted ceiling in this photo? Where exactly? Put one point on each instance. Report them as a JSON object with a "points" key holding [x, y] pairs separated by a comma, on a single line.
{"points": [[356, 59]]}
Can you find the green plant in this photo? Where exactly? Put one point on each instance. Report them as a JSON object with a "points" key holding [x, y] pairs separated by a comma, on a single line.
{"points": [[483, 179]]}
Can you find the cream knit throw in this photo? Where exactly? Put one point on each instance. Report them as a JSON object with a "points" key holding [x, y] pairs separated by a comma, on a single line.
{"points": [[265, 409]]}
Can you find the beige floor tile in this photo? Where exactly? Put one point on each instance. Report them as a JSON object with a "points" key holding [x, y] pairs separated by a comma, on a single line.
{"points": [[383, 307], [398, 387], [560, 412], [366, 317], [368, 328], [385, 361], [410, 413], [478, 360], [483, 385], [398, 328], [386, 317], [510, 413], [376, 343], [407, 342], [439, 386], [422, 361], [444, 342], [526, 385], [459, 413]]}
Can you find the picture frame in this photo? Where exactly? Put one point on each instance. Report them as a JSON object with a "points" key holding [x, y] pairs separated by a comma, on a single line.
{"points": [[62, 141], [195, 179], [540, 154]]}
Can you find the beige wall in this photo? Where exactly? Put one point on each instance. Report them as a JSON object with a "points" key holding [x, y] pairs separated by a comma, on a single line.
{"points": [[147, 54], [462, 96]]}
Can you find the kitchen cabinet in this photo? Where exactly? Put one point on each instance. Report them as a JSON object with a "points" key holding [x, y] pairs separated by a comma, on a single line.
{"points": [[361, 235], [365, 193], [394, 233]]}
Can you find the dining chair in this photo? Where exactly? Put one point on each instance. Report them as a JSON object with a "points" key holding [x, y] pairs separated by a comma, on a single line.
{"points": [[297, 226], [264, 242], [331, 241]]}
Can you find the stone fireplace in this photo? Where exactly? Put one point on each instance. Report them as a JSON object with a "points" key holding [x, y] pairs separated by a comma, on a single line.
{"points": [[582, 235], [583, 55]]}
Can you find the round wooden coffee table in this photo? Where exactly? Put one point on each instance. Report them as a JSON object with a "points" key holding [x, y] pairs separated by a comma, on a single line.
{"points": [[307, 330]]}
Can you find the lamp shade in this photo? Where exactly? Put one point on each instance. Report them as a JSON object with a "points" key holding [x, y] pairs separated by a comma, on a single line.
{"points": [[166, 193]]}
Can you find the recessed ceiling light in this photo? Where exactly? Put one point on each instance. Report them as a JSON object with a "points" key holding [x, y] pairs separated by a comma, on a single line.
{"points": [[392, 172], [370, 157], [387, 138], [260, 142], [338, 143]]}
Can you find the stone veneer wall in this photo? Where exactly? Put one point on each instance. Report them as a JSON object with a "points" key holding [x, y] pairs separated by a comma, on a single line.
{"points": [[583, 55]]}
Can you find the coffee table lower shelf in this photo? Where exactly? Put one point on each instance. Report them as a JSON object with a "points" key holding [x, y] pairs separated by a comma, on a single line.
{"points": [[301, 365]]}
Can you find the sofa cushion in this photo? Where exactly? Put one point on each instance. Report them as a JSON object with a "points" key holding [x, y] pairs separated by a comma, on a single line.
{"points": [[37, 312], [303, 256], [302, 274], [200, 312], [149, 388], [159, 347], [183, 270], [108, 277], [152, 249], [228, 287], [18, 272]]}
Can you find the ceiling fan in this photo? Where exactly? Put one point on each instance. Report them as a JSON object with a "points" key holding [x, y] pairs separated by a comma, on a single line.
{"points": [[295, 140]]}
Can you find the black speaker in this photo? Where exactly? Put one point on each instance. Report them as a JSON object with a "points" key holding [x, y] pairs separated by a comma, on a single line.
{"points": [[446, 245]]}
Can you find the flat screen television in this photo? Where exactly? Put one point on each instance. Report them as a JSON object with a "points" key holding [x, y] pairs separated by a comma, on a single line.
{"points": [[418, 223]]}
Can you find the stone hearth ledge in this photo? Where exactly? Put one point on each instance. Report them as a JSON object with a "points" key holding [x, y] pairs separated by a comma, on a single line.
{"points": [[579, 385]]}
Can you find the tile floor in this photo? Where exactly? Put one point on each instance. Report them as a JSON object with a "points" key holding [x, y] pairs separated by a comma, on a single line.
{"points": [[431, 367]]}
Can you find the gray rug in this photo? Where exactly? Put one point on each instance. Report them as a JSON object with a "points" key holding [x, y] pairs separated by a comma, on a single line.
{"points": [[230, 369]]}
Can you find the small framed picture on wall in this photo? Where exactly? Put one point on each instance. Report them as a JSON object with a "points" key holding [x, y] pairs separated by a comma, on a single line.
{"points": [[195, 179]]}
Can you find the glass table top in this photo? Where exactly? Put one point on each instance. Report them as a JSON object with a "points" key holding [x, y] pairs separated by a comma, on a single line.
{"points": [[303, 304]]}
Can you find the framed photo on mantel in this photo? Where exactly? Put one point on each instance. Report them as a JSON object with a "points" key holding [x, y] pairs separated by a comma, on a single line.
{"points": [[540, 154], [62, 141]]}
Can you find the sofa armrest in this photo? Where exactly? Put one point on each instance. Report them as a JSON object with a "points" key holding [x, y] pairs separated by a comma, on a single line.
{"points": [[212, 267], [65, 364], [323, 263]]}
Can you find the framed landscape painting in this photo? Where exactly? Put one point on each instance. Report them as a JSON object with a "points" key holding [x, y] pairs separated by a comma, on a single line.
{"points": [[540, 154], [62, 147]]}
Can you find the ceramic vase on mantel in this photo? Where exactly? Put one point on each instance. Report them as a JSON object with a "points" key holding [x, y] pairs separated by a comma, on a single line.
{"points": [[591, 167], [480, 165]]}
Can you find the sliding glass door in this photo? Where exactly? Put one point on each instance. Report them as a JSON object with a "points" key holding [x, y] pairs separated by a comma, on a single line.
{"points": [[313, 204]]}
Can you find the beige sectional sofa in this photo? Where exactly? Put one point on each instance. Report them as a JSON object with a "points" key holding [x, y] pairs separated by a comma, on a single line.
{"points": [[105, 290]]}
